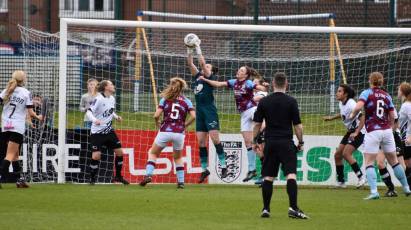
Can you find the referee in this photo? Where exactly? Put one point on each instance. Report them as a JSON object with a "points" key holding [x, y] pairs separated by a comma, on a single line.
{"points": [[280, 113]]}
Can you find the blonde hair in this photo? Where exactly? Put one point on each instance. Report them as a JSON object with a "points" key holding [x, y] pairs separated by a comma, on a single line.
{"points": [[93, 80], [405, 89], [17, 79], [174, 89], [376, 79]]}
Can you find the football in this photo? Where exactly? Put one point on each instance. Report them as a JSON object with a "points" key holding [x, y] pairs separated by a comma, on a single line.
{"points": [[191, 39]]}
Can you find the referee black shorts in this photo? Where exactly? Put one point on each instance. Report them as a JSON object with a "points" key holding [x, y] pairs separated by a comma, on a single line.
{"points": [[276, 153], [110, 140], [356, 142]]}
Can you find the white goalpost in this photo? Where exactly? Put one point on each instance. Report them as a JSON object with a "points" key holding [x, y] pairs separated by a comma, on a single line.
{"points": [[310, 55]]}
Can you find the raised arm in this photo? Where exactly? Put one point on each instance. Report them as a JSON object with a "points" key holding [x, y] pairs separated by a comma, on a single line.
{"points": [[214, 83], [193, 68]]}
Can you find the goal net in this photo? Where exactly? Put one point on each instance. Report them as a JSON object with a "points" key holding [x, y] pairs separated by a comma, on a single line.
{"points": [[140, 58]]}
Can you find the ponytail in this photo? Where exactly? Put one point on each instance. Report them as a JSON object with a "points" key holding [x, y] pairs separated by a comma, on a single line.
{"points": [[376, 79], [17, 79], [174, 89], [252, 73]]}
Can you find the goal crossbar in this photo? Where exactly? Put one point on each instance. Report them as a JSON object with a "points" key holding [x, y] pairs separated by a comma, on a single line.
{"points": [[230, 27], [236, 18]]}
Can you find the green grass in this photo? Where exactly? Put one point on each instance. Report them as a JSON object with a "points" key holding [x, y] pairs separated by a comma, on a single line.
{"points": [[197, 207]]}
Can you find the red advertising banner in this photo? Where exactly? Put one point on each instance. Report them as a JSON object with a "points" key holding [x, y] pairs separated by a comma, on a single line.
{"points": [[136, 144]]}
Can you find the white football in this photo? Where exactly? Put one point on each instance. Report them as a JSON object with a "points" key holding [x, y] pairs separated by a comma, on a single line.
{"points": [[191, 39]]}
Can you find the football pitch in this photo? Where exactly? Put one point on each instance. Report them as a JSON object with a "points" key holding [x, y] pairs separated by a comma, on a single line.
{"points": [[46, 206]]}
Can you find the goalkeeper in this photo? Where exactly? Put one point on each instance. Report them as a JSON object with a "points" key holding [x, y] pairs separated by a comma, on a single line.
{"points": [[207, 122]]}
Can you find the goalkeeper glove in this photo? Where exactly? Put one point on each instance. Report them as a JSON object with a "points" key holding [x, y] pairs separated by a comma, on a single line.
{"points": [[198, 48]]}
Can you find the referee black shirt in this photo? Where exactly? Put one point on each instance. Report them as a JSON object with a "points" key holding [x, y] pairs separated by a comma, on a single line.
{"points": [[280, 112]]}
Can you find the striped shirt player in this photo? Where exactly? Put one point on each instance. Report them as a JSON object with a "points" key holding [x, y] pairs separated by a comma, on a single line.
{"points": [[172, 127]]}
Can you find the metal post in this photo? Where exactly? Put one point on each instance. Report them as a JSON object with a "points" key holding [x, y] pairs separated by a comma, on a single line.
{"points": [[391, 60], [365, 13], [118, 15], [48, 15], [256, 11], [26, 16], [393, 11]]}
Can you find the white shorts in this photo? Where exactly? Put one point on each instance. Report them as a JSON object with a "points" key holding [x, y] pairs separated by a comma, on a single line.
{"points": [[247, 119], [163, 138], [379, 138]]}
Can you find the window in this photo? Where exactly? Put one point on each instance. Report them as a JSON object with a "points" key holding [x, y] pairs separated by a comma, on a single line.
{"points": [[376, 1], [110, 5], [293, 1], [3, 6], [101, 9], [98, 5], [68, 4], [84, 5]]}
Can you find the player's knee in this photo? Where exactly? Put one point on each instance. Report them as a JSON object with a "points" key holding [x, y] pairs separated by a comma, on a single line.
{"points": [[119, 152], [177, 154], [96, 156], [338, 156], [10, 156]]}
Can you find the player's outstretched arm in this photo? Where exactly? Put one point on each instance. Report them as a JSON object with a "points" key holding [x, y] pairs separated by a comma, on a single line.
{"points": [[217, 84], [333, 117], [191, 119]]}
